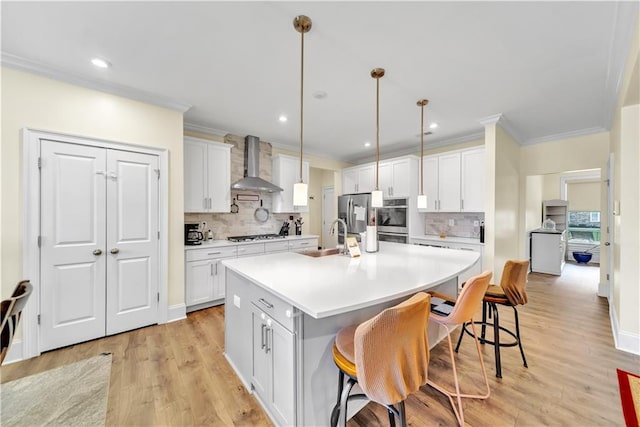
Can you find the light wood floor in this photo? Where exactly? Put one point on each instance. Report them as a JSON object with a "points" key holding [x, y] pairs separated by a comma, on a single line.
{"points": [[175, 374]]}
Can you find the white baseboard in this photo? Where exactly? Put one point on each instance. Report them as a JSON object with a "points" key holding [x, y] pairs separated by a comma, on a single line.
{"points": [[177, 312], [15, 353], [624, 341]]}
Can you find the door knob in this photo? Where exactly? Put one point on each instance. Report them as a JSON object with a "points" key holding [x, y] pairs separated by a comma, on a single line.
{"points": [[115, 250], [97, 252], [607, 244]]}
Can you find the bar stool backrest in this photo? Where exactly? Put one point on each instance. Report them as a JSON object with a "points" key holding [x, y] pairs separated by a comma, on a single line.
{"points": [[392, 351], [11, 311], [469, 299], [514, 281]]}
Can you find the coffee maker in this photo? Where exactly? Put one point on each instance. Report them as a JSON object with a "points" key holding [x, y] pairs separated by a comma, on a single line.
{"points": [[191, 235]]}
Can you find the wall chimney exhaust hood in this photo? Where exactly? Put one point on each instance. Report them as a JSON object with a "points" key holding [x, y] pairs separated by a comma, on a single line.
{"points": [[251, 180]]}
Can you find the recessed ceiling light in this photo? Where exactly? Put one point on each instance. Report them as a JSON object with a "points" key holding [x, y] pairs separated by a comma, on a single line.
{"points": [[319, 94], [100, 63], [367, 144], [282, 118], [433, 125]]}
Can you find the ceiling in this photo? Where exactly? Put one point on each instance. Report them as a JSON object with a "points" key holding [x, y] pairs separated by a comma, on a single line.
{"points": [[552, 69]]}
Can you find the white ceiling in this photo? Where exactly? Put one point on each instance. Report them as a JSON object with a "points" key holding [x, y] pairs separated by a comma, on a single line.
{"points": [[551, 68]]}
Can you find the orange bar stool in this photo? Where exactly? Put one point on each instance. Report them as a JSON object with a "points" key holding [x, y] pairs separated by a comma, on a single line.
{"points": [[511, 292], [387, 356], [464, 307]]}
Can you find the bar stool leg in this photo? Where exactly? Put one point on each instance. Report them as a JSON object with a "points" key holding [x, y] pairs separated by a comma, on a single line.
{"points": [[402, 414], [342, 416], [496, 338], [484, 322], [392, 418], [462, 330], [524, 360], [336, 409]]}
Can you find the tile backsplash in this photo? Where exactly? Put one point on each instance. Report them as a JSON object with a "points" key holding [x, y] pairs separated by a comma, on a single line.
{"points": [[463, 224]]}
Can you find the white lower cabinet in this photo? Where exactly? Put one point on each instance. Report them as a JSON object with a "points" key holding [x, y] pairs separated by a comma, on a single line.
{"points": [[205, 276], [273, 357], [303, 245], [471, 246]]}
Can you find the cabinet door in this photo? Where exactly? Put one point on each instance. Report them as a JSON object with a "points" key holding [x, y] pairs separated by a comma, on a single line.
{"points": [[261, 367], [401, 178], [282, 352], [219, 177], [200, 278], [195, 178], [449, 182], [385, 180], [430, 172], [219, 273], [472, 183], [349, 181], [366, 179]]}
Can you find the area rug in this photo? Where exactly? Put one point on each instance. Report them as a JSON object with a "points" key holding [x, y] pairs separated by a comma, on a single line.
{"points": [[630, 397], [71, 395]]}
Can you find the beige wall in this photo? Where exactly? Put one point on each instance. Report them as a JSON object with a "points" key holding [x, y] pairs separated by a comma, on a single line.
{"points": [[507, 200], [315, 202], [532, 197], [30, 101]]}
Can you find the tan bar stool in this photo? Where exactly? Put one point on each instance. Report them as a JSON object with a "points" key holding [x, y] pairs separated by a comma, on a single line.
{"points": [[511, 292], [387, 356], [11, 312], [464, 307]]}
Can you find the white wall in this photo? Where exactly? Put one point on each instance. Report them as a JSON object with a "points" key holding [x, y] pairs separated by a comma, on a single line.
{"points": [[30, 101]]}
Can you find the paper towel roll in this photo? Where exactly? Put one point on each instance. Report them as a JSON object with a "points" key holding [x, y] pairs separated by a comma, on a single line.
{"points": [[372, 239]]}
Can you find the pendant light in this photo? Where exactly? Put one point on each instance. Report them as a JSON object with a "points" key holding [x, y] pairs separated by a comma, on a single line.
{"points": [[302, 24], [422, 198], [376, 195]]}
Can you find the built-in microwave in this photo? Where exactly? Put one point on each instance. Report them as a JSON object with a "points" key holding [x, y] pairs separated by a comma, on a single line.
{"points": [[393, 216]]}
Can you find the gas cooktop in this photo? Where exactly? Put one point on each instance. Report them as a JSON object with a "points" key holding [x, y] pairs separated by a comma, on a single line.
{"points": [[254, 237]]}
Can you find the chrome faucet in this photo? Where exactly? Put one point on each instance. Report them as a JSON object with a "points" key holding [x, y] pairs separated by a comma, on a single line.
{"points": [[345, 249]]}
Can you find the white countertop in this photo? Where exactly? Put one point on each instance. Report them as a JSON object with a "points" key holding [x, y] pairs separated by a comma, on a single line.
{"points": [[221, 243], [336, 284], [448, 239]]}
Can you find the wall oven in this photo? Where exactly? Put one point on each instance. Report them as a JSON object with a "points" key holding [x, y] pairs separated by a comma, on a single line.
{"points": [[392, 220]]}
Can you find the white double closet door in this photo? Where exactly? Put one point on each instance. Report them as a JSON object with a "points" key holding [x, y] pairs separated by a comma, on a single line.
{"points": [[99, 242]]}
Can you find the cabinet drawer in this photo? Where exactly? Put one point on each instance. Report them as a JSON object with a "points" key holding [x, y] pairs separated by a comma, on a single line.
{"points": [[303, 244], [279, 246], [211, 253], [273, 306], [252, 249]]}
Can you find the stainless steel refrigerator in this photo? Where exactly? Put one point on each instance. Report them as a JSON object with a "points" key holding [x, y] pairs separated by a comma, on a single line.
{"points": [[355, 210]]}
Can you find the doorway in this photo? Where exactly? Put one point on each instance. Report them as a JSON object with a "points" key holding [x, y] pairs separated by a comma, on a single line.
{"points": [[98, 264]]}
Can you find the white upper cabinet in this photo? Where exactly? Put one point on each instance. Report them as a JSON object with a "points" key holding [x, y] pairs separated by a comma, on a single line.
{"points": [[449, 182], [396, 177], [473, 178], [286, 172], [359, 179], [454, 181], [207, 176]]}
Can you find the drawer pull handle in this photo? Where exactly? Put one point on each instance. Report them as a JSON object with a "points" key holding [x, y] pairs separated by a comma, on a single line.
{"points": [[265, 303], [214, 253]]}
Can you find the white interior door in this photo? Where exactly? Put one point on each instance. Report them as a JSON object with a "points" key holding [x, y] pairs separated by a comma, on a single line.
{"points": [[132, 240], [328, 215], [73, 223]]}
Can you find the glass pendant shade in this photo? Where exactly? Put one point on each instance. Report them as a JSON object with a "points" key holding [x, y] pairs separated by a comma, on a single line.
{"points": [[422, 201], [300, 194], [376, 199]]}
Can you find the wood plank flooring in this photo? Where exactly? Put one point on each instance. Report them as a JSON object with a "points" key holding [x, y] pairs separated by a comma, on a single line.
{"points": [[176, 374]]}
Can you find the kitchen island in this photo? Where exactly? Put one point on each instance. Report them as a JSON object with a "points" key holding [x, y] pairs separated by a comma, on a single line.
{"points": [[283, 310]]}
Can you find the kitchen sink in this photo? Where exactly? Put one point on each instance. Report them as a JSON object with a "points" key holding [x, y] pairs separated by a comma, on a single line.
{"points": [[322, 252]]}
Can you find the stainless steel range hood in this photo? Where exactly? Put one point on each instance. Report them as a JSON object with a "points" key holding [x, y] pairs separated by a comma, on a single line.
{"points": [[251, 180]]}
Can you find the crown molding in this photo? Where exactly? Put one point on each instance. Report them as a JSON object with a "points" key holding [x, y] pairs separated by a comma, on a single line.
{"points": [[204, 129], [45, 70], [414, 150], [564, 135], [501, 120], [489, 120], [622, 32]]}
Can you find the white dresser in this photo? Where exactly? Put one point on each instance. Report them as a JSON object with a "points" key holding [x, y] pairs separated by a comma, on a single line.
{"points": [[548, 251]]}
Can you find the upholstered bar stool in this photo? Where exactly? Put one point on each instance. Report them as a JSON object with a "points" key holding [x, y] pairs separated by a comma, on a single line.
{"points": [[387, 356], [511, 292], [11, 312], [464, 307]]}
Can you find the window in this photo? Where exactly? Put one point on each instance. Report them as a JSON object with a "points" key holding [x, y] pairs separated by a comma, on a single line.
{"points": [[584, 225]]}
